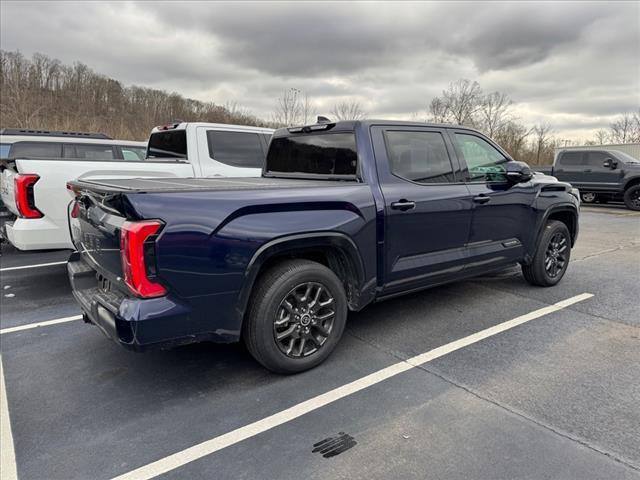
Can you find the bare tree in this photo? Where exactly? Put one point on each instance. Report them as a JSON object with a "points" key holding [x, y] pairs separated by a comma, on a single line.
{"points": [[293, 108], [542, 139], [622, 129], [348, 110], [494, 112], [601, 137], [462, 101], [438, 111], [513, 139]]}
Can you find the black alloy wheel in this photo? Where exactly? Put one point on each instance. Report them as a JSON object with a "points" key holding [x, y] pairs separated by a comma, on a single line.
{"points": [[304, 320], [555, 257], [632, 197]]}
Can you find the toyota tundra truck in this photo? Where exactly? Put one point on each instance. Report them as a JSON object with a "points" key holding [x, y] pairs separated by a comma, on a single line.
{"points": [[344, 214]]}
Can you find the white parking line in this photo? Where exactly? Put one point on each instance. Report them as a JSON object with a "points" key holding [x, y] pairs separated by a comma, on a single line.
{"points": [[7, 269], [7, 451], [40, 324], [208, 447]]}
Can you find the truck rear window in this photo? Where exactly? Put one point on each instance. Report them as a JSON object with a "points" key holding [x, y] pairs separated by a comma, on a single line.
{"points": [[169, 144], [319, 154]]}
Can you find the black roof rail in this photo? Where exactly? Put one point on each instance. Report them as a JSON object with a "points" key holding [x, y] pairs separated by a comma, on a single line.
{"points": [[52, 133]]}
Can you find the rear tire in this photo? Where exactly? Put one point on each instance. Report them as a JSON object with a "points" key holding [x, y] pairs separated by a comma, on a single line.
{"points": [[632, 197], [296, 316], [588, 197], [552, 256]]}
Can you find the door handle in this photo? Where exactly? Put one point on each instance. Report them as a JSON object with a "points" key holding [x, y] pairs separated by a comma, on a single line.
{"points": [[403, 205], [482, 198], [588, 170]]}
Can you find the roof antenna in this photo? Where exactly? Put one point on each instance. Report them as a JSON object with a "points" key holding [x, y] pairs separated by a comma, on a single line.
{"points": [[322, 119]]}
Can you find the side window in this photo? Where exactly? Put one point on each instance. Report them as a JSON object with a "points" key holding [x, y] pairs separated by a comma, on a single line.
{"points": [[596, 159], [4, 150], [36, 150], [484, 161], [570, 159], [94, 152], [419, 156], [238, 149], [134, 154]]}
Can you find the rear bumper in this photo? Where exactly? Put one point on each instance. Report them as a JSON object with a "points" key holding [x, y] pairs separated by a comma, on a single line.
{"points": [[136, 324], [36, 234]]}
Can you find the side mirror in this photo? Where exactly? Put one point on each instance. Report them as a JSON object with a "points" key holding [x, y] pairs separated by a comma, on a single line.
{"points": [[518, 172], [610, 163]]}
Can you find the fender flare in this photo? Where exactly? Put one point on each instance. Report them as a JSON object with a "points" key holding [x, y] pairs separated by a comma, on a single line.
{"points": [[294, 242], [565, 207]]}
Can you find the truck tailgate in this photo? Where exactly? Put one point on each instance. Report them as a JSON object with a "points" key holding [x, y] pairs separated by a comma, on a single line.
{"points": [[7, 187]]}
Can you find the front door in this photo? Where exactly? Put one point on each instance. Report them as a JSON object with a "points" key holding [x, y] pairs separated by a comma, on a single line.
{"points": [[598, 177], [427, 207], [502, 212]]}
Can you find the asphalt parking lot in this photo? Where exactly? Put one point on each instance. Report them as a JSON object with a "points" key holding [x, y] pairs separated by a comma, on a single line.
{"points": [[556, 396]]}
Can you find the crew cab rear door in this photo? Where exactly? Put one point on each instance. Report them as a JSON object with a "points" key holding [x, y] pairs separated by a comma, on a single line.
{"points": [[427, 206]]}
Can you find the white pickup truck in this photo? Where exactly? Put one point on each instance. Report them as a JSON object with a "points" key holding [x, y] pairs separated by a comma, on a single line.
{"points": [[33, 187]]}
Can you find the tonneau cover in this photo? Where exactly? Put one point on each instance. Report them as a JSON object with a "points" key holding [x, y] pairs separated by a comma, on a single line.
{"points": [[142, 185]]}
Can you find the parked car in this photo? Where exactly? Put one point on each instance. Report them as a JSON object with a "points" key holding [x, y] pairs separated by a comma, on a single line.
{"points": [[34, 176], [600, 175], [345, 214]]}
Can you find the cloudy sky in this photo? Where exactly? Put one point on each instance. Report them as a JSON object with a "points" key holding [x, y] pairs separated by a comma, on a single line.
{"points": [[574, 65]]}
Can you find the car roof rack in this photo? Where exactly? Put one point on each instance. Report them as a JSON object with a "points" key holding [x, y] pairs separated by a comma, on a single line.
{"points": [[27, 132]]}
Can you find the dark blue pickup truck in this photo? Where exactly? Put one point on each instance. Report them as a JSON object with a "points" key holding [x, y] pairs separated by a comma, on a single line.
{"points": [[345, 214]]}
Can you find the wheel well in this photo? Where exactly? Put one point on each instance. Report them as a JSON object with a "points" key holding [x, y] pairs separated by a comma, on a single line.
{"points": [[631, 183], [334, 258], [569, 219]]}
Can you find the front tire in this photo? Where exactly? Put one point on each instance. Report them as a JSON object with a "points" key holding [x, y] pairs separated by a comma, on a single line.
{"points": [[296, 316], [552, 256], [632, 197], [588, 197]]}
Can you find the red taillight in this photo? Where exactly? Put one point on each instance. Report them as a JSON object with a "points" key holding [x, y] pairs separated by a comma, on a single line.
{"points": [[25, 199], [137, 250]]}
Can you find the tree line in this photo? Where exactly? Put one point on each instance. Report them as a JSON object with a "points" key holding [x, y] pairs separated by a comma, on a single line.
{"points": [[43, 93]]}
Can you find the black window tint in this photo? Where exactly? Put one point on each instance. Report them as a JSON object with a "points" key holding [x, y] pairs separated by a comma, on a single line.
{"points": [[571, 158], [94, 152], [36, 150], [238, 149], [484, 161], [596, 159], [419, 156], [328, 154], [134, 153], [169, 144]]}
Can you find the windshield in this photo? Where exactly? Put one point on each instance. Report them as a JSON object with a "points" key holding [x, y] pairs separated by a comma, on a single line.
{"points": [[169, 144], [319, 154], [625, 157]]}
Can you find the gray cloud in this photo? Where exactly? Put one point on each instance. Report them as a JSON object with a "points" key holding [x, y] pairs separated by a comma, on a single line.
{"points": [[575, 64]]}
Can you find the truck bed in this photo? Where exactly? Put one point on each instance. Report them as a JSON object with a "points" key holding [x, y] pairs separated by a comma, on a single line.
{"points": [[157, 185]]}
